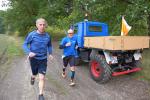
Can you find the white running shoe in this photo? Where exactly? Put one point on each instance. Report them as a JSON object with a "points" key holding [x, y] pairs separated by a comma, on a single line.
{"points": [[64, 75], [72, 84]]}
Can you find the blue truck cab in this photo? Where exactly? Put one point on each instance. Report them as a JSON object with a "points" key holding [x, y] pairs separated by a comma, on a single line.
{"points": [[90, 29]]}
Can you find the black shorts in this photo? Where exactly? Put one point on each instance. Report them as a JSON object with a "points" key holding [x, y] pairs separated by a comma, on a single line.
{"points": [[38, 66], [70, 60]]}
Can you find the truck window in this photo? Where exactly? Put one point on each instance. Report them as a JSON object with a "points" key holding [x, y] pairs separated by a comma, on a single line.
{"points": [[95, 28]]}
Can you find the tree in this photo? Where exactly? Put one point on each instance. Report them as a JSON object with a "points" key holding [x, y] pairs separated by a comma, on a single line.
{"points": [[2, 25], [62, 13]]}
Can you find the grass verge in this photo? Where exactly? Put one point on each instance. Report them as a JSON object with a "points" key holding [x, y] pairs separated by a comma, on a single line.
{"points": [[10, 47], [144, 73]]}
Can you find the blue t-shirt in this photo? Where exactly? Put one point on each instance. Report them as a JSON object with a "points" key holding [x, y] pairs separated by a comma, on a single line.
{"points": [[40, 44], [69, 50]]}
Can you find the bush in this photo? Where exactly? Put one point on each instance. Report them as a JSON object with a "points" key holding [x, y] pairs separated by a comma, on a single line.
{"points": [[55, 33]]}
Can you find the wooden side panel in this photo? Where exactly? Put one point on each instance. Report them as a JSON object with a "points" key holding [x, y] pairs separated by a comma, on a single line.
{"points": [[95, 42], [117, 42], [135, 42], [113, 43]]}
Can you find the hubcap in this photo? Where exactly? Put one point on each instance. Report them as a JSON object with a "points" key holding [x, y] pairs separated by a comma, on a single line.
{"points": [[95, 69]]}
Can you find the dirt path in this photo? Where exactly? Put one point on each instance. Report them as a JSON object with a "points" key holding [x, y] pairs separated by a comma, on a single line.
{"points": [[16, 84]]}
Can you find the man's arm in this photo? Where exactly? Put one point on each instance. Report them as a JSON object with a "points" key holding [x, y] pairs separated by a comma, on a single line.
{"points": [[26, 44], [49, 47], [63, 44], [76, 43]]}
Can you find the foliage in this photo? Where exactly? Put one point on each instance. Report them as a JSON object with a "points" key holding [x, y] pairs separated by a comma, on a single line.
{"points": [[10, 46], [2, 25], [62, 13], [55, 33]]}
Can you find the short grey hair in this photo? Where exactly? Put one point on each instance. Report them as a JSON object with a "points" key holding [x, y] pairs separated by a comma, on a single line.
{"points": [[41, 19]]}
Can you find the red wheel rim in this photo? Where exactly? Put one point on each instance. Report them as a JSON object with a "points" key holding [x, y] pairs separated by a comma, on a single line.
{"points": [[95, 69]]}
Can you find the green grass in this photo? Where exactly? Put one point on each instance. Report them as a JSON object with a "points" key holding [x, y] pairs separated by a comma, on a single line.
{"points": [[15, 48], [3, 42], [10, 45], [144, 73]]}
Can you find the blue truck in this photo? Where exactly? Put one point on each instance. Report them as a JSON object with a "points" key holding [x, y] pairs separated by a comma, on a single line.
{"points": [[107, 55]]}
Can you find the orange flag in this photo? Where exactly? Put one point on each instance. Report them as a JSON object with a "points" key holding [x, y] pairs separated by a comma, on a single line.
{"points": [[125, 27]]}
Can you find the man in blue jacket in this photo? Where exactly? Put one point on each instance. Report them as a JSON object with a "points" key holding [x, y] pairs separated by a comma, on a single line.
{"points": [[37, 46], [68, 44]]}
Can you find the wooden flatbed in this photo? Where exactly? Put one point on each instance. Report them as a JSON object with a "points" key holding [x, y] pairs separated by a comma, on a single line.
{"points": [[117, 42]]}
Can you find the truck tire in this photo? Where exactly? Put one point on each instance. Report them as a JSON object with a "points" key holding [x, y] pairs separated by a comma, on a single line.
{"points": [[100, 71]]}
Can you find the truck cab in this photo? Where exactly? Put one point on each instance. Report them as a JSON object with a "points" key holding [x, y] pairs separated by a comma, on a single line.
{"points": [[90, 29]]}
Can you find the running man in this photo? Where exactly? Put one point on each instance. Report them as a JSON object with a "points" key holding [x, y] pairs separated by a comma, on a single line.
{"points": [[68, 44], [37, 46]]}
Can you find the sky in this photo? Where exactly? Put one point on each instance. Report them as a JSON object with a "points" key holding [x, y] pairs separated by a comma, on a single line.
{"points": [[3, 4]]}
